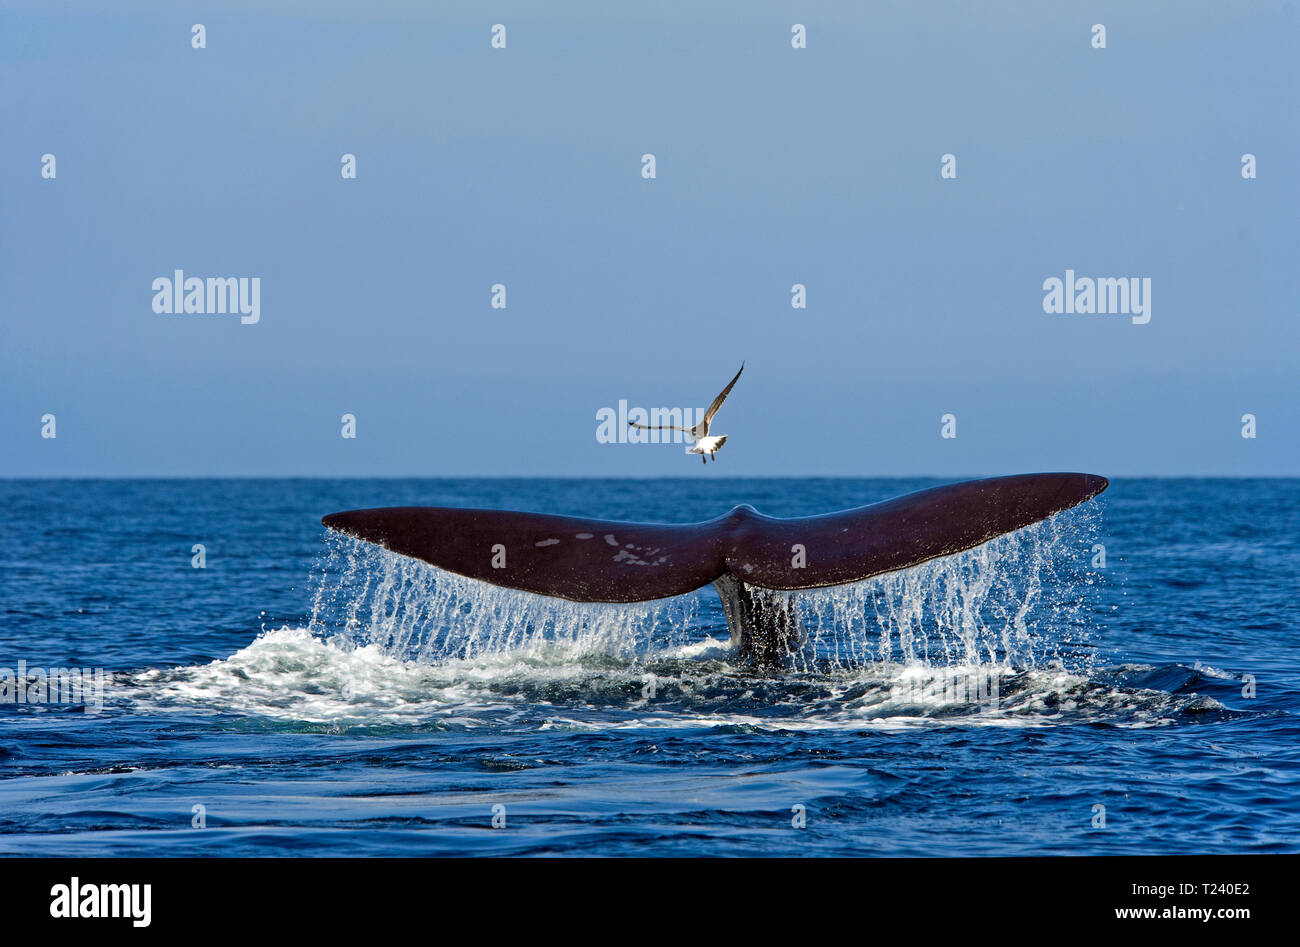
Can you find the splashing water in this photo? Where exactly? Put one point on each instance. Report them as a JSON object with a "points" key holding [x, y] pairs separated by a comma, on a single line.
{"points": [[1016, 601], [1019, 600], [367, 596]]}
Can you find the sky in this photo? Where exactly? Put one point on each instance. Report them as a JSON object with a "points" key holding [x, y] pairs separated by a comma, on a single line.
{"points": [[523, 166]]}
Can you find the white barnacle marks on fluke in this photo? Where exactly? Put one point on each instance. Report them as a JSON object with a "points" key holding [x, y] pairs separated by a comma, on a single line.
{"points": [[740, 552], [582, 560]]}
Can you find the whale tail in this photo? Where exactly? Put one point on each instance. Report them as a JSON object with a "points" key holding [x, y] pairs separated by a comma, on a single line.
{"points": [[591, 560]]}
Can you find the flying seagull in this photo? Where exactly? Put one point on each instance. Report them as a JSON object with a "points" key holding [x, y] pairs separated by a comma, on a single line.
{"points": [[701, 441]]}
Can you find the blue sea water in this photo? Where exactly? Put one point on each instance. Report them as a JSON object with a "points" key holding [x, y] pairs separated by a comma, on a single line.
{"points": [[314, 696]]}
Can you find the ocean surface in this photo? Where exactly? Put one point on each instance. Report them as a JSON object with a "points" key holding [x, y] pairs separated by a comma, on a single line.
{"points": [[304, 694]]}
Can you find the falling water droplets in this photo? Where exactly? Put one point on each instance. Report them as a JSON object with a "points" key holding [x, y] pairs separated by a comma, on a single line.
{"points": [[413, 611], [1011, 602]]}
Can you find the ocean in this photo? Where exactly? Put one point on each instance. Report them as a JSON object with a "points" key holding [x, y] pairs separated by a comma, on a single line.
{"points": [[1122, 679]]}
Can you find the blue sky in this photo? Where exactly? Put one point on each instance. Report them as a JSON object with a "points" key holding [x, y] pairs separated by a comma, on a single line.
{"points": [[522, 166]]}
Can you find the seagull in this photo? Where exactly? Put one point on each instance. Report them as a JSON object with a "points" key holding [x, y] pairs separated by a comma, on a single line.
{"points": [[701, 441]]}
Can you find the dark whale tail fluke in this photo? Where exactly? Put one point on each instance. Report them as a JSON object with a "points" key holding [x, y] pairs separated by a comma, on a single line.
{"points": [[588, 560]]}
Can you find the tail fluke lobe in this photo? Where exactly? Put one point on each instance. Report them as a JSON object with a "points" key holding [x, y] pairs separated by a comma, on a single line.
{"points": [[583, 560], [852, 545]]}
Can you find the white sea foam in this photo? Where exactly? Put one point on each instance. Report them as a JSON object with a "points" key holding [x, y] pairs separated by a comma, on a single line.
{"points": [[292, 676]]}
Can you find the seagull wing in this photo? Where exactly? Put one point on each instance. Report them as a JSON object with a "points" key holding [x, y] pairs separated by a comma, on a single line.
{"points": [[659, 427], [717, 402]]}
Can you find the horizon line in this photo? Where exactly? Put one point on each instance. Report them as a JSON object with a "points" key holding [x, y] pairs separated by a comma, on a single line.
{"points": [[1157, 476]]}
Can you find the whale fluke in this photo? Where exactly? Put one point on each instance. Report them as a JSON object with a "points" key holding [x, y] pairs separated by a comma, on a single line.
{"points": [[590, 560]]}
